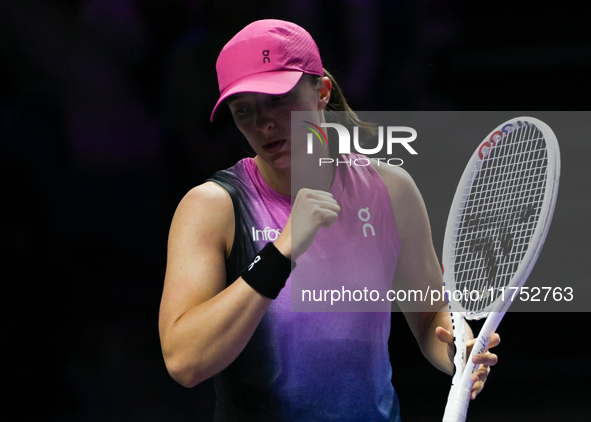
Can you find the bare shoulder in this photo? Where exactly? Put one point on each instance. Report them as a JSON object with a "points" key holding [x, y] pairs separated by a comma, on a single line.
{"points": [[201, 235], [398, 181], [206, 210], [407, 203], [208, 193], [401, 186]]}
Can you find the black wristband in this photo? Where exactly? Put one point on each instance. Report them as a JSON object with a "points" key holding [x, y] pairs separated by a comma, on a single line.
{"points": [[268, 271]]}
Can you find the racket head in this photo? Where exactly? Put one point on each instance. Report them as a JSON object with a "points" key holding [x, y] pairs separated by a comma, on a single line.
{"points": [[500, 215]]}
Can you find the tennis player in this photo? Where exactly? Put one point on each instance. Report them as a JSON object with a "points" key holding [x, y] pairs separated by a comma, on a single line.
{"points": [[225, 310]]}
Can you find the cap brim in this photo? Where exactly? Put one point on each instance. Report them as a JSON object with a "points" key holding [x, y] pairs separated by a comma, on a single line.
{"points": [[273, 83]]}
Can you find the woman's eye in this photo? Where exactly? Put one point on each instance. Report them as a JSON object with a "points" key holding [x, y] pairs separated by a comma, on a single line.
{"points": [[241, 111], [279, 97]]}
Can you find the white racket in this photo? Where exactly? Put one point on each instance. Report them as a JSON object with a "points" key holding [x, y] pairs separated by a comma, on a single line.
{"points": [[495, 231]]}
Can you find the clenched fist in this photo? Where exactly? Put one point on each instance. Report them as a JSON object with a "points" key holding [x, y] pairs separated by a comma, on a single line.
{"points": [[311, 210]]}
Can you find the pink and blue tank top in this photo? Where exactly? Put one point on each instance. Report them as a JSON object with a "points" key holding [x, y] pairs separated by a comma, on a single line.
{"points": [[313, 366]]}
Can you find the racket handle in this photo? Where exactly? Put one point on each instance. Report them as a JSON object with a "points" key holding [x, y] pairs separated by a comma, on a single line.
{"points": [[457, 403], [481, 344], [459, 395], [459, 327]]}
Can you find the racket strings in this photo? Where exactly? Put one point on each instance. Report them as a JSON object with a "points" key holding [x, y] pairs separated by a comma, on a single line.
{"points": [[499, 215]]}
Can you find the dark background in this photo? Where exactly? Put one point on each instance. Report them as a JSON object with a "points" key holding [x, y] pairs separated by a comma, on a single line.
{"points": [[104, 110]]}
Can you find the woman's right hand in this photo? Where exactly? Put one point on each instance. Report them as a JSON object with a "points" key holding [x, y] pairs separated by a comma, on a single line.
{"points": [[311, 210]]}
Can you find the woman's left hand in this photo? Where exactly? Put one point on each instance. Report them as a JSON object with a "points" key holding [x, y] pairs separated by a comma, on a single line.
{"points": [[483, 360]]}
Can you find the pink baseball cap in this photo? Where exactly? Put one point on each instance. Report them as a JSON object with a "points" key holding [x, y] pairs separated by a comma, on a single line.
{"points": [[267, 56]]}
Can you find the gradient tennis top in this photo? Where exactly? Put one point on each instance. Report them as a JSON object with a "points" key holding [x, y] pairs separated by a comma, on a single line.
{"points": [[332, 365]]}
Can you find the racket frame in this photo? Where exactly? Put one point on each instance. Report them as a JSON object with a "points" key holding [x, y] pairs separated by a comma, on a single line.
{"points": [[459, 395]]}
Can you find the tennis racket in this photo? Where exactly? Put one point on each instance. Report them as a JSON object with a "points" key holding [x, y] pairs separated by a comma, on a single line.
{"points": [[495, 231]]}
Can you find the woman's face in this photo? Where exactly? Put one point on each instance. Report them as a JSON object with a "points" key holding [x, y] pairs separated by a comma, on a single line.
{"points": [[265, 120]]}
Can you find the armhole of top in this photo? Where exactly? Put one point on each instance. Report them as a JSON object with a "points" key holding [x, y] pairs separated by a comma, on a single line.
{"points": [[232, 256]]}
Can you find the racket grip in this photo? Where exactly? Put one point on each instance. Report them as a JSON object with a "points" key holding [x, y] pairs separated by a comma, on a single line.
{"points": [[457, 404], [459, 395]]}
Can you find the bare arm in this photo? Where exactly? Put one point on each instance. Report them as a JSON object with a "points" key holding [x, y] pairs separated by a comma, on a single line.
{"points": [[418, 268], [203, 325]]}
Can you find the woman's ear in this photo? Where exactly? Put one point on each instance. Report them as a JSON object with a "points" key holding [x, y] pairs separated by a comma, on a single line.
{"points": [[324, 89]]}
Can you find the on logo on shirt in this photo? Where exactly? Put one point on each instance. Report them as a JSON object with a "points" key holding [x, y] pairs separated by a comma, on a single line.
{"points": [[364, 216]]}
